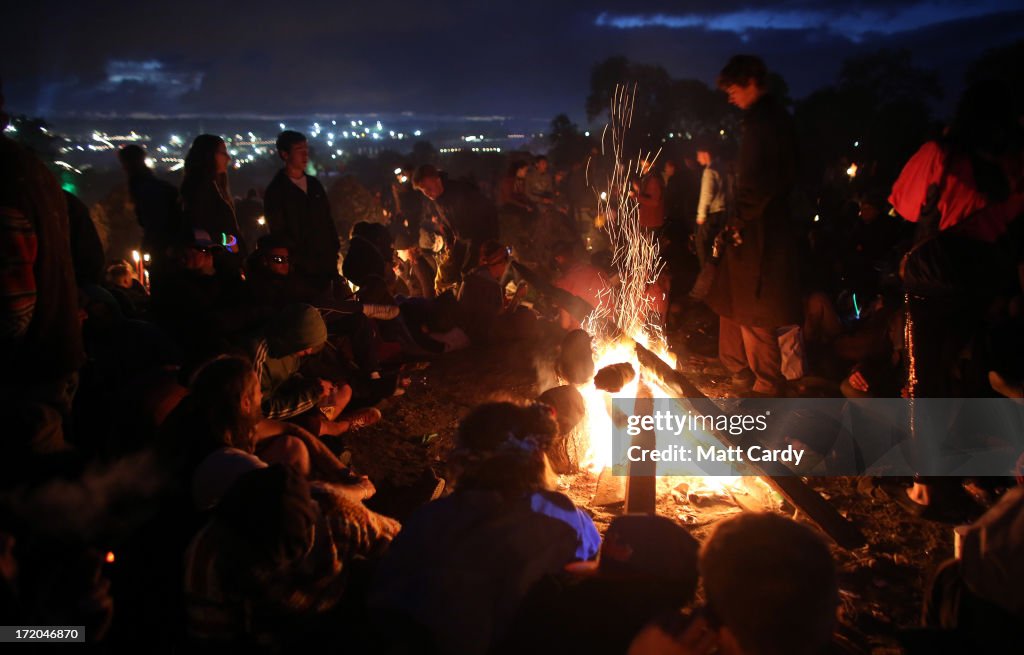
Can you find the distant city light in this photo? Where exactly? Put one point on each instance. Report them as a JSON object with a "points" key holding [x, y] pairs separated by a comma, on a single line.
{"points": [[417, 133], [817, 218], [586, 134], [856, 144], [261, 221], [145, 257], [282, 125], [353, 123], [852, 171], [150, 162], [398, 171], [136, 257], [604, 195]]}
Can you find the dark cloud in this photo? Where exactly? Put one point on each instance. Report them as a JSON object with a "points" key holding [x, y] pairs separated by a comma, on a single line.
{"points": [[530, 59]]}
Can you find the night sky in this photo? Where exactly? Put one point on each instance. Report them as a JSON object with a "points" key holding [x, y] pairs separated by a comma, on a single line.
{"points": [[524, 58]]}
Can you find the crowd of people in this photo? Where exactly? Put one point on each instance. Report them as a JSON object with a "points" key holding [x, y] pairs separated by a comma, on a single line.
{"points": [[192, 410]]}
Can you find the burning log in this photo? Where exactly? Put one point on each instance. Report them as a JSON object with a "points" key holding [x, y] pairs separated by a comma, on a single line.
{"points": [[576, 358], [801, 496], [615, 376], [569, 447]]}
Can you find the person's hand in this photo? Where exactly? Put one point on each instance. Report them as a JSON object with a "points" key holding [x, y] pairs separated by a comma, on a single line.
{"points": [[858, 382]]}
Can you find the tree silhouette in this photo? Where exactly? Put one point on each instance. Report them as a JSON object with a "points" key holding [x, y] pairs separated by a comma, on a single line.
{"points": [[876, 115], [568, 145], [1004, 65]]}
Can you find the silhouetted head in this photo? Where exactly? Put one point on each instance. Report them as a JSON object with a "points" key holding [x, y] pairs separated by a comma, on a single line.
{"points": [[743, 80]]}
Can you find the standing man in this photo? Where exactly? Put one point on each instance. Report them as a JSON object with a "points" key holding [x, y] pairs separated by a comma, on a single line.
{"points": [[756, 290], [710, 206], [298, 212], [465, 217], [157, 207]]}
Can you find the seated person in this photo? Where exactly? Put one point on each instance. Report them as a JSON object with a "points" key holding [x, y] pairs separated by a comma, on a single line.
{"points": [[878, 347], [131, 295], [368, 263], [459, 569], [482, 300], [297, 332], [976, 600], [270, 565], [770, 588], [200, 305], [220, 423], [272, 286], [647, 566], [579, 278], [416, 268]]}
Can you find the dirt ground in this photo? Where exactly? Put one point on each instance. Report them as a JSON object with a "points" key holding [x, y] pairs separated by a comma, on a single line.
{"points": [[882, 583]]}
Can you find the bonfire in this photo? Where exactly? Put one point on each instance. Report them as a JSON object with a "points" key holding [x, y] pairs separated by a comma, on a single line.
{"points": [[627, 315]]}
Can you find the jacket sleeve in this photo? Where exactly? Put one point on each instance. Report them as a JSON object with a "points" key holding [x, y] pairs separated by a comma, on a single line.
{"points": [[706, 192], [767, 167], [291, 398]]}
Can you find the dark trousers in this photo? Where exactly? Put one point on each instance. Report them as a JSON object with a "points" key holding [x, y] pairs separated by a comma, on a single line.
{"points": [[742, 348]]}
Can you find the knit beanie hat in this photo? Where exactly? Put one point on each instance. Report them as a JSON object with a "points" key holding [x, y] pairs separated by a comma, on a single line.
{"points": [[296, 328]]}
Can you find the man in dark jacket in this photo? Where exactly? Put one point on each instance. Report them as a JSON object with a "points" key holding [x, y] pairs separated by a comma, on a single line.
{"points": [[466, 217], [297, 210], [156, 206], [756, 290]]}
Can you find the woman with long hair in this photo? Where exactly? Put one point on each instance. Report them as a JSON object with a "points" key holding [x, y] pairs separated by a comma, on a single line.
{"points": [[206, 198]]}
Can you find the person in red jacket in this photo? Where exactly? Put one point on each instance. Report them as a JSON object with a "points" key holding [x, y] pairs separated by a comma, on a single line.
{"points": [[650, 193]]}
